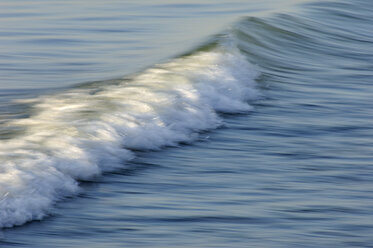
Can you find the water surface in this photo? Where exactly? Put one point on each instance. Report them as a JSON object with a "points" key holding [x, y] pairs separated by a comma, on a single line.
{"points": [[259, 137]]}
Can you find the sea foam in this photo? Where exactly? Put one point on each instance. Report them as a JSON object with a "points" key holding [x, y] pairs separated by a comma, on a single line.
{"points": [[77, 134]]}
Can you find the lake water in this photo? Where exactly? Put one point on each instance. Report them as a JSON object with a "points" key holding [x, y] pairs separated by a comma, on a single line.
{"points": [[186, 124]]}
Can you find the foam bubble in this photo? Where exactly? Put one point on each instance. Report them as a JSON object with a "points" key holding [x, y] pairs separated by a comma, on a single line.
{"points": [[79, 133]]}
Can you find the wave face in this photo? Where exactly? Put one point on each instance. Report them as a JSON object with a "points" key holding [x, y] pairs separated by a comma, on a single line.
{"points": [[78, 134]]}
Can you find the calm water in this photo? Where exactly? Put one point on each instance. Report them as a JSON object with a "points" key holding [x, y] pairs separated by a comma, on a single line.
{"points": [[257, 133]]}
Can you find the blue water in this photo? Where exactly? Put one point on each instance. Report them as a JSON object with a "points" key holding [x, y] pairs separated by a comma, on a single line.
{"points": [[260, 135]]}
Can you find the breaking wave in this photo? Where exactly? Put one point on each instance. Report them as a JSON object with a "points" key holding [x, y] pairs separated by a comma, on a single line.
{"points": [[79, 133]]}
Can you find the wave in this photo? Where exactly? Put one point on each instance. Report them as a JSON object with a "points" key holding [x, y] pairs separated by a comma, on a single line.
{"points": [[82, 132], [79, 133]]}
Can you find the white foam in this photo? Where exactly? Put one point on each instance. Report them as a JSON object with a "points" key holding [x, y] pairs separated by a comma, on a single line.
{"points": [[80, 133]]}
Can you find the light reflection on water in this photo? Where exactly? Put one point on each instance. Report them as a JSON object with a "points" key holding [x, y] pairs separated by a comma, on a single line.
{"points": [[49, 44]]}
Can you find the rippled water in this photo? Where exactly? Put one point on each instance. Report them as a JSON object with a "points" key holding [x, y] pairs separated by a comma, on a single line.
{"points": [[261, 137]]}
